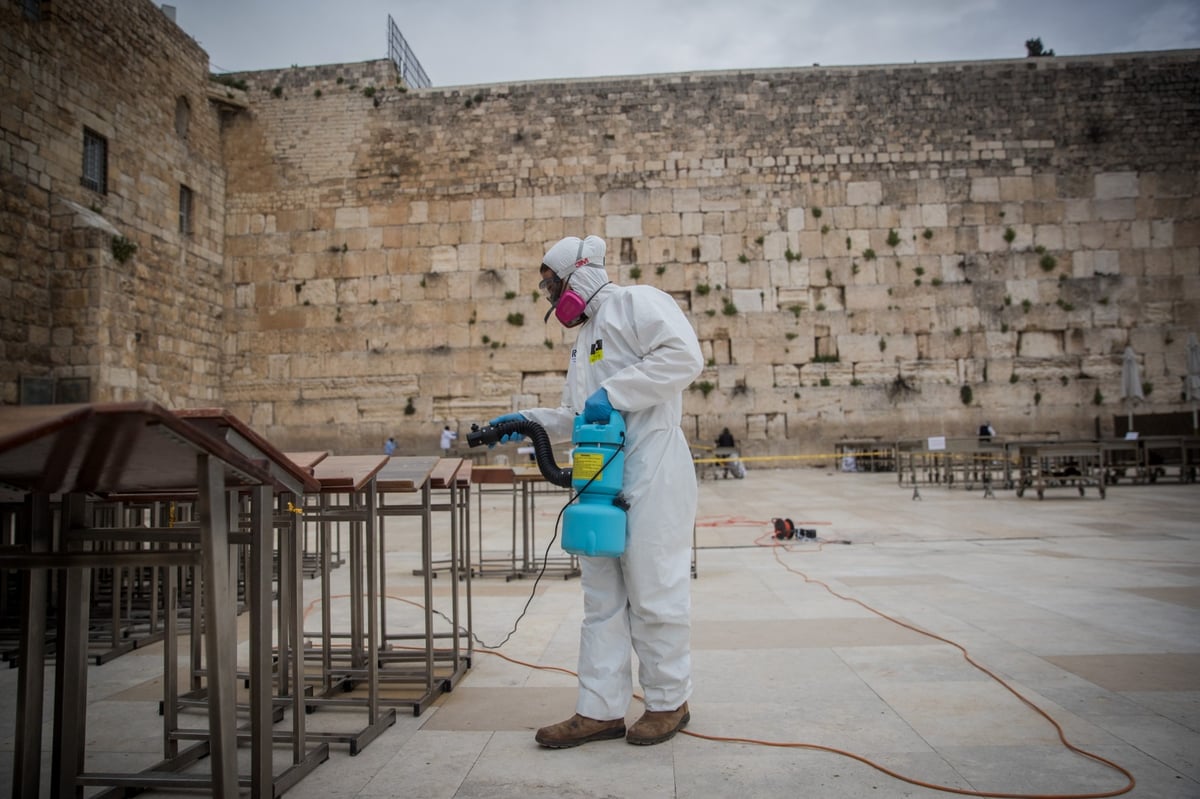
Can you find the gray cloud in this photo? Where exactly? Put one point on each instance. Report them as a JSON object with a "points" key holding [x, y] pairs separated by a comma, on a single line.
{"points": [[496, 41]]}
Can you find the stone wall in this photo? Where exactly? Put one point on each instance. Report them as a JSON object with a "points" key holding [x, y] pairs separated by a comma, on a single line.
{"points": [[858, 248], [148, 327], [893, 251]]}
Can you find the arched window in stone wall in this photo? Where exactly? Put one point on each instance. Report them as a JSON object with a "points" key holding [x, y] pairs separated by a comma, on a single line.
{"points": [[183, 116]]}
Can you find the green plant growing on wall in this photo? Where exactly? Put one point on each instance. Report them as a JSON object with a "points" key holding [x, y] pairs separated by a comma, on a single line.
{"points": [[1026, 305], [820, 306], [1047, 263], [486, 339], [369, 91], [1039, 249], [277, 91], [882, 344], [1066, 306], [869, 254], [849, 244], [791, 256], [702, 289], [854, 381], [704, 387], [226, 80], [1147, 388], [790, 336], [824, 229], [937, 281], [1097, 398], [1008, 299], [816, 212], [759, 241], [508, 295], [122, 248], [796, 309], [1004, 327], [409, 407], [316, 92], [927, 234], [535, 295], [966, 395], [549, 344], [1013, 378], [825, 381], [828, 275], [825, 359], [516, 319], [893, 238], [658, 270], [1009, 235], [742, 259], [920, 270], [635, 272], [710, 312], [729, 309], [958, 331], [854, 267]]}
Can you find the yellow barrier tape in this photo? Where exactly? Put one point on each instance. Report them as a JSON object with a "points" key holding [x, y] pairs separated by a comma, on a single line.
{"points": [[860, 454]]}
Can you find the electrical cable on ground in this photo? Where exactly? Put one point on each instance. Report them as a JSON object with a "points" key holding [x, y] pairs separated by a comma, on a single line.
{"points": [[776, 546]]}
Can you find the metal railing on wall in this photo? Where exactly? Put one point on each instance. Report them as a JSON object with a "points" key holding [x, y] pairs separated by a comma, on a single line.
{"points": [[405, 59]]}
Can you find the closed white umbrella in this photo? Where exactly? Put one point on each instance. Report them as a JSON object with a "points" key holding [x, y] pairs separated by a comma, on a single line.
{"points": [[1131, 381], [1193, 374]]}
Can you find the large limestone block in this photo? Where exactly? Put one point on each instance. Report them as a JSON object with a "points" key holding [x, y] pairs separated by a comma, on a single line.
{"points": [[860, 193], [785, 375], [351, 217], [622, 226], [1040, 344], [1115, 185]]}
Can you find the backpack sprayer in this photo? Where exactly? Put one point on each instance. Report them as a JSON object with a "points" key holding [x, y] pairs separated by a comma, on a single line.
{"points": [[595, 525]]}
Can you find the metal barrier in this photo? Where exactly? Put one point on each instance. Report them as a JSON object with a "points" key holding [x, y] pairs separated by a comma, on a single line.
{"points": [[405, 59]]}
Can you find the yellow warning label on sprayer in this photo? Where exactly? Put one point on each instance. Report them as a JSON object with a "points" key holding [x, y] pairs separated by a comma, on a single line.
{"points": [[587, 466]]}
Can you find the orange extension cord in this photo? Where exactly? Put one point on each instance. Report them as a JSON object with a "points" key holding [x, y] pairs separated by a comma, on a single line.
{"points": [[776, 547]]}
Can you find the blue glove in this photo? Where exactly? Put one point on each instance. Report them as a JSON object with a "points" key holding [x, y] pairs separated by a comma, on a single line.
{"points": [[597, 408], [509, 417]]}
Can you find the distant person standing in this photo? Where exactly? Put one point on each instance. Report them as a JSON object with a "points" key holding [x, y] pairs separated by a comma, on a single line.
{"points": [[389, 447], [986, 432], [448, 437]]}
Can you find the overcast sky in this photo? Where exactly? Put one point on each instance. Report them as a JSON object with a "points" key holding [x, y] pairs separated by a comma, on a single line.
{"points": [[497, 41]]}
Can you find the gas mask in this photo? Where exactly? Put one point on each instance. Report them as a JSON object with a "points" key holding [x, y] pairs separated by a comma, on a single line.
{"points": [[567, 305]]}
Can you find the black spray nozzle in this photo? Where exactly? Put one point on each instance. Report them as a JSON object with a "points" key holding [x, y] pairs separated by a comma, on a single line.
{"points": [[490, 434], [542, 449]]}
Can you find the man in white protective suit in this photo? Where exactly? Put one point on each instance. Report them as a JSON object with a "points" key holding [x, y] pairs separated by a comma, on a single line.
{"points": [[635, 352]]}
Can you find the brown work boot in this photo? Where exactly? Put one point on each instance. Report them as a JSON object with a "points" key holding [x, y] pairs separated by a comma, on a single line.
{"points": [[656, 726], [579, 730]]}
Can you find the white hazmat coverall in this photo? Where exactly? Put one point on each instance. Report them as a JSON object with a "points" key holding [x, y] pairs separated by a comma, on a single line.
{"points": [[638, 345]]}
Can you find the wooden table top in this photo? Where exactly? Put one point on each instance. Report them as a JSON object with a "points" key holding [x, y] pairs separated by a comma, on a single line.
{"points": [[223, 425], [405, 474], [348, 472], [103, 448]]}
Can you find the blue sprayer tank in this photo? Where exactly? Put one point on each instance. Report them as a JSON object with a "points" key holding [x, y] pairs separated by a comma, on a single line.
{"points": [[593, 525]]}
